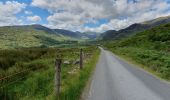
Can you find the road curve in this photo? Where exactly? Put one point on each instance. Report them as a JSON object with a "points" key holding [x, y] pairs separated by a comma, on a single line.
{"points": [[115, 79]]}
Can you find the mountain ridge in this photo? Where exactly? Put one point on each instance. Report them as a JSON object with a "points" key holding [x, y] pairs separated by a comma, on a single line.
{"points": [[21, 36], [134, 28]]}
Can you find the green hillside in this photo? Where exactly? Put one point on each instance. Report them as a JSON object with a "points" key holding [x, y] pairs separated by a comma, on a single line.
{"points": [[134, 28], [150, 48], [157, 38], [17, 37]]}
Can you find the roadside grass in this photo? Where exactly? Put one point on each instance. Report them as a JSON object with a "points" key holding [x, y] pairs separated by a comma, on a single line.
{"points": [[156, 62], [38, 81], [78, 81], [150, 48], [133, 62]]}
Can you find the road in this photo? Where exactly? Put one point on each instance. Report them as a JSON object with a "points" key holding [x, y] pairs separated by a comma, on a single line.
{"points": [[115, 79]]}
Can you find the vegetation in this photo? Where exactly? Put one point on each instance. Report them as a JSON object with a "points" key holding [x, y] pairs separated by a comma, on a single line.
{"points": [[19, 37], [29, 73], [150, 48]]}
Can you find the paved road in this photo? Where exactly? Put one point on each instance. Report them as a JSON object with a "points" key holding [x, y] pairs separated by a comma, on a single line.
{"points": [[115, 79]]}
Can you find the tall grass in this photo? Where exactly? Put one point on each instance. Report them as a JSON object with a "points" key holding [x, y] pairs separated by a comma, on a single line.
{"points": [[38, 82], [77, 82]]}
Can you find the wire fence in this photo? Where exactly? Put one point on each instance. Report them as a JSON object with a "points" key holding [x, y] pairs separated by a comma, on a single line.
{"points": [[10, 80]]}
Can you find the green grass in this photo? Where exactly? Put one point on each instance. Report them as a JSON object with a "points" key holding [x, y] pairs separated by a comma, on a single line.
{"points": [[78, 81], [38, 79], [150, 48]]}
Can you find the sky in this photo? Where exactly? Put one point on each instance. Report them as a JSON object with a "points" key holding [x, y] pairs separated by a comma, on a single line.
{"points": [[81, 15]]}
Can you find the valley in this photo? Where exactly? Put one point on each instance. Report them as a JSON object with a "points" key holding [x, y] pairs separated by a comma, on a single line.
{"points": [[39, 36], [28, 54]]}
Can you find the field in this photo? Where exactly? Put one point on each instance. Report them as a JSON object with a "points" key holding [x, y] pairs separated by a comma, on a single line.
{"points": [[29, 73], [150, 48]]}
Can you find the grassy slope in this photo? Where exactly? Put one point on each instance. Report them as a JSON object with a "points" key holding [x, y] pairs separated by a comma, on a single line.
{"points": [[150, 48], [12, 37], [38, 83]]}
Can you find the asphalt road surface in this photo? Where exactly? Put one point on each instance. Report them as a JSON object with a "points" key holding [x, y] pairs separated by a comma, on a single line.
{"points": [[115, 79]]}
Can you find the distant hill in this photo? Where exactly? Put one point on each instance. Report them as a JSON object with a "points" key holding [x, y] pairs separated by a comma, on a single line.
{"points": [[78, 35], [109, 35], [30, 36], [134, 28], [91, 35], [42, 28], [38, 35], [68, 33], [157, 38]]}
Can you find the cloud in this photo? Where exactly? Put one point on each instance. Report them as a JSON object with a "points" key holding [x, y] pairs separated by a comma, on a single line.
{"points": [[8, 11], [34, 18], [113, 24], [74, 14], [70, 14], [28, 12]]}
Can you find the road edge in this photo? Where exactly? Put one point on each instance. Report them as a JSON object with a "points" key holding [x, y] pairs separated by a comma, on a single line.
{"points": [[139, 66]]}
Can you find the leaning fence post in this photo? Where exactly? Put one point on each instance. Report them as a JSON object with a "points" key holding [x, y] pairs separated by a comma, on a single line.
{"points": [[57, 75], [81, 58]]}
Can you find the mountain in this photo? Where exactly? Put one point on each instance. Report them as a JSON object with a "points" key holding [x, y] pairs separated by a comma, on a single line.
{"points": [[108, 35], [91, 35], [68, 33], [77, 34], [30, 36], [34, 26], [59, 32], [134, 28], [39, 36], [157, 38], [42, 28]]}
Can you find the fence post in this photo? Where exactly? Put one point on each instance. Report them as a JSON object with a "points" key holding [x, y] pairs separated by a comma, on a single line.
{"points": [[81, 58], [57, 75]]}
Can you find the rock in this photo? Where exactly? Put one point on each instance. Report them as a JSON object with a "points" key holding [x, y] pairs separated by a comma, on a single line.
{"points": [[73, 71], [77, 62], [66, 62]]}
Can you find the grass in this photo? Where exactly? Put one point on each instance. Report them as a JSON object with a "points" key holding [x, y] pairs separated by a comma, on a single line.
{"points": [[149, 49], [78, 81], [136, 62], [37, 82]]}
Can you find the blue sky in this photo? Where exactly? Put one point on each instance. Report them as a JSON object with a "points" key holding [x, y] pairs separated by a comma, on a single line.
{"points": [[82, 15]]}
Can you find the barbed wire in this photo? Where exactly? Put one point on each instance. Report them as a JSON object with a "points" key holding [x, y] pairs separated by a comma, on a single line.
{"points": [[3, 78], [12, 82]]}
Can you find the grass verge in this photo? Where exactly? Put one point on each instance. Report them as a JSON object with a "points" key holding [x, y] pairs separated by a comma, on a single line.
{"points": [[155, 62]]}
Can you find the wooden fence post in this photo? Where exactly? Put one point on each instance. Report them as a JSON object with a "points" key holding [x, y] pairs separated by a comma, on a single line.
{"points": [[57, 75], [81, 58]]}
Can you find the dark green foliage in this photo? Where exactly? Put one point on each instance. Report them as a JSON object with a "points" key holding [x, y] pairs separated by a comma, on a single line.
{"points": [[8, 58]]}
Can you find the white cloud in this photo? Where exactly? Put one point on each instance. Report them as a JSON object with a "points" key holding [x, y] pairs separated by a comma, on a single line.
{"points": [[113, 24], [34, 18], [74, 14], [28, 12], [8, 10]]}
